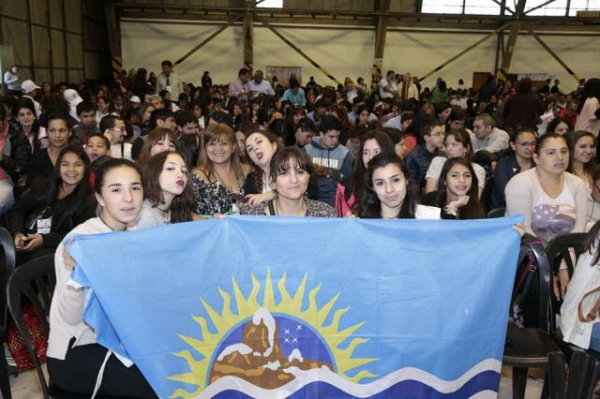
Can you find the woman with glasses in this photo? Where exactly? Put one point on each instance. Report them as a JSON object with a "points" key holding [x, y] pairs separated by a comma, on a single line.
{"points": [[457, 144], [553, 200], [522, 146]]}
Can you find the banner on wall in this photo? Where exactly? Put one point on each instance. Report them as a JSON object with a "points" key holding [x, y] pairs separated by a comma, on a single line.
{"points": [[273, 307]]}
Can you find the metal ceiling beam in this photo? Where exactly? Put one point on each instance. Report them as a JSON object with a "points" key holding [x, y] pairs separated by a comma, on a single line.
{"points": [[208, 39], [114, 39], [540, 6], [552, 53], [471, 47], [249, 35], [512, 40], [298, 50], [381, 31]]}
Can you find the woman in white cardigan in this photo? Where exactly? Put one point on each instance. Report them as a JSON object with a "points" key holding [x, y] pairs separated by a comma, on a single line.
{"points": [[74, 358], [553, 200], [586, 278]]}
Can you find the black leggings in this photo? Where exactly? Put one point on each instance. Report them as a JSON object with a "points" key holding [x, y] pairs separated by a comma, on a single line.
{"points": [[78, 373]]}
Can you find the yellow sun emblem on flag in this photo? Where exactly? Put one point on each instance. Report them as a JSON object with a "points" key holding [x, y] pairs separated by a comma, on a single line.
{"points": [[213, 365]]}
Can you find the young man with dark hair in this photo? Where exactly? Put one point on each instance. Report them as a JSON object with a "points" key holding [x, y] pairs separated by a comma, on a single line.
{"points": [[86, 111], [332, 161], [294, 94], [321, 106], [304, 131], [419, 159], [169, 80], [239, 87], [186, 123]]}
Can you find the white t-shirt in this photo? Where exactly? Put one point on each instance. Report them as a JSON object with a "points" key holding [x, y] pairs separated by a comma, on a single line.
{"points": [[383, 84], [150, 216], [115, 151], [435, 170], [427, 212], [545, 217]]}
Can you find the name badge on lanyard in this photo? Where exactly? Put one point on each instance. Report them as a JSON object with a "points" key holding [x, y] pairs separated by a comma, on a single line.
{"points": [[44, 225], [169, 89]]}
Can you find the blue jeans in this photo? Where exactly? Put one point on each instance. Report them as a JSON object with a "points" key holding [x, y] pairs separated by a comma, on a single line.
{"points": [[595, 341], [7, 198]]}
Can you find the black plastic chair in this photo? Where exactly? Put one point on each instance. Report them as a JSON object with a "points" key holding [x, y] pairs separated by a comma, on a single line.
{"points": [[560, 248], [486, 194], [34, 280], [496, 213], [534, 347], [584, 370], [7, 265]]}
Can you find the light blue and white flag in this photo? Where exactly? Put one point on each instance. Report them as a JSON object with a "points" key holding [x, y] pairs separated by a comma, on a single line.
{"points": [[273, 307]]}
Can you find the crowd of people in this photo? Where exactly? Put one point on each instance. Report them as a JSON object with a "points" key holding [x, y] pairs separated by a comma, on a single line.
{"points": [[150, 150]]}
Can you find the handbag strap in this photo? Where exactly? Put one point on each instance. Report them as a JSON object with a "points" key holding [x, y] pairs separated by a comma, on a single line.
{"points": [[271, 208], [591, 315]]}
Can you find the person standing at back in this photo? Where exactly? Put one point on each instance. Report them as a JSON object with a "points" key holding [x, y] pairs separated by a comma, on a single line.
{"points": [[169, 80]]}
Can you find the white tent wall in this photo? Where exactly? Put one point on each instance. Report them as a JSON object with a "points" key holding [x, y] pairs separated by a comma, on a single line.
{"points": [[346, 52]]}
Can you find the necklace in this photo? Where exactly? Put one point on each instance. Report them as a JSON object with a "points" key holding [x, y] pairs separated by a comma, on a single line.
{"points": [[106, 224], [303, 213], [223, 182]]}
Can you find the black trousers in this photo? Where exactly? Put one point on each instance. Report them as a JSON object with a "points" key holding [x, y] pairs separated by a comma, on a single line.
{"points": [[78, 373]]}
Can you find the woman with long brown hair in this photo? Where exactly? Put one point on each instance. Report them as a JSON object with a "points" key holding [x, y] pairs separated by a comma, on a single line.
{"points": [[219, 177]]}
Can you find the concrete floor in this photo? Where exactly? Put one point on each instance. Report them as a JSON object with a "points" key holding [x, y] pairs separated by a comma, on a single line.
{"points": [[26, 386]]}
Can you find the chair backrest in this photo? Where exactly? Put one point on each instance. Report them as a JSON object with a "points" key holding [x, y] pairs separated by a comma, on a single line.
{"points": [[7, 265], [531, 246], [561, 247], [486, 194], [35, 280], [496, 213]]}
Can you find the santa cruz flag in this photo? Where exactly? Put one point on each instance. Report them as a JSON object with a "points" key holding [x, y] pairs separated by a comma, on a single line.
{"points": [[274, 307]]}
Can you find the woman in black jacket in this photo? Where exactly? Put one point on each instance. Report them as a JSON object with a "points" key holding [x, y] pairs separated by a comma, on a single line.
{"points": [[53, 206]]}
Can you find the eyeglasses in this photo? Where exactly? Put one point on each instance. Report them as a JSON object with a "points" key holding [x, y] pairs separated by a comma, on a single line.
{"points": [[120, 129], [526, 144]]}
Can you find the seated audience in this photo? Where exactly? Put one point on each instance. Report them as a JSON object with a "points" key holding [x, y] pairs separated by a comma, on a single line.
{"points": [[333, 160], [456, 193], [157, 141], [43, 160], [457, 144], [74, 357], [389, 194], [553, 200], [350, 190], [289, 174], [519, 159], [52, 206], [168, 195], [218, 179], [430, 143]]}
